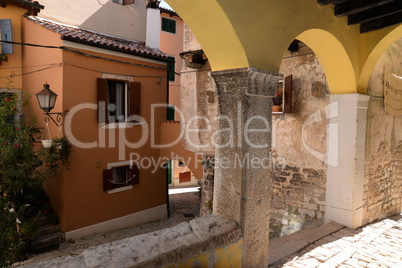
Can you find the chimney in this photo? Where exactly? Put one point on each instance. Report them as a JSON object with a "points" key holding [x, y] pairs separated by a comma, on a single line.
{"points": [[153, 24]]}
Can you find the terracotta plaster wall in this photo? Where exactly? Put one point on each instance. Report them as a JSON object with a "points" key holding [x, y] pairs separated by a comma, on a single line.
{"points": [[173, 148], [172, 45], [383, 172], [14, 60], [77, 194], [299, 178]]}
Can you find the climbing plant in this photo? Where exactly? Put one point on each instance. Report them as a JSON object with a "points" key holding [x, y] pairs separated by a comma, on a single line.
{"points": [[22, 171]]}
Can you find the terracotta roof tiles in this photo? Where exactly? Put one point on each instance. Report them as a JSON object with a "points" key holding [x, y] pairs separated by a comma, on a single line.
{"points": [[97, 39], [32, 6]]}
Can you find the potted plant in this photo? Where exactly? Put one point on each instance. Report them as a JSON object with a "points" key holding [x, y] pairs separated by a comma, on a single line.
{"points": [[277, 100], [277, 103], [3, 57], [57, 154]]}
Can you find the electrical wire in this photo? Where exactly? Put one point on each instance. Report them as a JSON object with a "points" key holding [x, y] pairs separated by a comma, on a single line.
{"points": [[39, 70], [84, 54], [99, 71]]}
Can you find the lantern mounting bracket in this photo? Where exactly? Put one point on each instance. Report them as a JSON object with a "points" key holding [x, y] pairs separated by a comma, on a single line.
{"points": [[57, 121]]}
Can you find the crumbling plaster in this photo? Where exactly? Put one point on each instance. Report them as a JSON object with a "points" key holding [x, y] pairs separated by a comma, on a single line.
{"points": [[383, 175], [299, 176], [198, 103]]}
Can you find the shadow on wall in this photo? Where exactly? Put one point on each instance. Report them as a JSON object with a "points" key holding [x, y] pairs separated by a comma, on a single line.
{"points": [[130, 16]]}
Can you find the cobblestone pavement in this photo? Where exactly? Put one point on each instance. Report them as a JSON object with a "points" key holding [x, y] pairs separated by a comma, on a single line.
{"points": [[183, 207], [373, 246]]}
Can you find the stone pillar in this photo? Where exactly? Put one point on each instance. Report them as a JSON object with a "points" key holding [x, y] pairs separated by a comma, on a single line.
{"points": [[243, 164], [346, 157], [207, 185]]}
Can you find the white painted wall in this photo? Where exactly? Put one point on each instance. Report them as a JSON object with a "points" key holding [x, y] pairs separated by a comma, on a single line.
{"points": [[346, 149], [105, 16], [153, 38]]}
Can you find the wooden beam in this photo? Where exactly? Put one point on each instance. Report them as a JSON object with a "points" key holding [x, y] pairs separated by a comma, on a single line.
{"points": [[356, 6], [327, 2], [375, 13], [381, 22]]}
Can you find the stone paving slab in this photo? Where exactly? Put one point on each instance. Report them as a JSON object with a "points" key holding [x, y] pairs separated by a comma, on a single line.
{"points": [[284, 246], [377, 245]]}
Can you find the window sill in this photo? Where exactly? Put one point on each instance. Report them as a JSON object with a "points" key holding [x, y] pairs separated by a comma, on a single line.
{"points": [[121, 189], [121, 125]]}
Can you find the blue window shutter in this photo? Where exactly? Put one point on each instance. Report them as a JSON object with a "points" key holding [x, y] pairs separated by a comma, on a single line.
{"points": [[6, 35]]}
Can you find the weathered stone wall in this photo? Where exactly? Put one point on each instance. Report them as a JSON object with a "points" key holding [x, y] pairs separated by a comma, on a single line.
{"points": [[198, 102], [160, 248], [383, 173], [207, 186], [298, 200], [299, 148]]}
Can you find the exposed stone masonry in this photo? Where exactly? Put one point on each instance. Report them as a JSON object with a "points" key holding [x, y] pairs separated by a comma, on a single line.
{"points": [[298, 200], [207, 186], [383, 178]]}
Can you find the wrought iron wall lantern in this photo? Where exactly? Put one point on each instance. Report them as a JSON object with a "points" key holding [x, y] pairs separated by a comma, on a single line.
{"points": [[47, 99]]}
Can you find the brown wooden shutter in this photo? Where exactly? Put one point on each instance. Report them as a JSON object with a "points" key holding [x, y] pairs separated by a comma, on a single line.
{"points": [[128, 2], [185, 177], [135, 99], [287, 108], [102, 85], [133, 171]]}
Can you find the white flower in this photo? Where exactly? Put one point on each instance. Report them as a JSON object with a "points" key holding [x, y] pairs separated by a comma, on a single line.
{"points": [[18, 221], [11, 210], [27, 205]]}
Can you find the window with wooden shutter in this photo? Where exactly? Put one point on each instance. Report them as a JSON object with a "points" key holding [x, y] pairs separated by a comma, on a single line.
{"points": [[185, 177], [287, 106], [170, 113], [6, 35], [118, 101], [168, 25], [135, 99], [124, 2], [102, 100], [171, 69], [122, 176]]}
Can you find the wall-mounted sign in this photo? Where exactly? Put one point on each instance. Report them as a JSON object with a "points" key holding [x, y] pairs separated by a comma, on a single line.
{"points": [[392, 93]]}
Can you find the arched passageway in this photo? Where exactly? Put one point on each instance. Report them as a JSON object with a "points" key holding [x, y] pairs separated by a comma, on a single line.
{"points": [[244, 42]]}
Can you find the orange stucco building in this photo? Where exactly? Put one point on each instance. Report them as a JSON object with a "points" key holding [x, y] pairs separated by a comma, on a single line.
{"points": [[76, 68], [113, 93]]}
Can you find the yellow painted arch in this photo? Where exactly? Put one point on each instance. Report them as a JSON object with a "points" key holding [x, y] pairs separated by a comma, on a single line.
{"points": [[255, 33], [214, 31], [379, 42], [332, 55]]}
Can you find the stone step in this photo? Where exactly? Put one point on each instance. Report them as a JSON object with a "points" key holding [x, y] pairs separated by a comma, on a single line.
{"points": [[47, 229], [41, 220], [284, 246], [47, 242]]}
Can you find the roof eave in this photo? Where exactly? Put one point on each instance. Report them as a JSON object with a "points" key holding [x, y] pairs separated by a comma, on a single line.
{"points": [[33, 8], [129, 52]]}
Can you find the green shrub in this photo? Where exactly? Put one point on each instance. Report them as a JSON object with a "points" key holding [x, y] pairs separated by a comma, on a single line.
{"points": [[23, 168]]}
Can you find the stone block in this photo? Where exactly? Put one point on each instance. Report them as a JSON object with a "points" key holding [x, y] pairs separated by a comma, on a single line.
{"points": [[313, 235], [212, 225], [278, 252]]}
